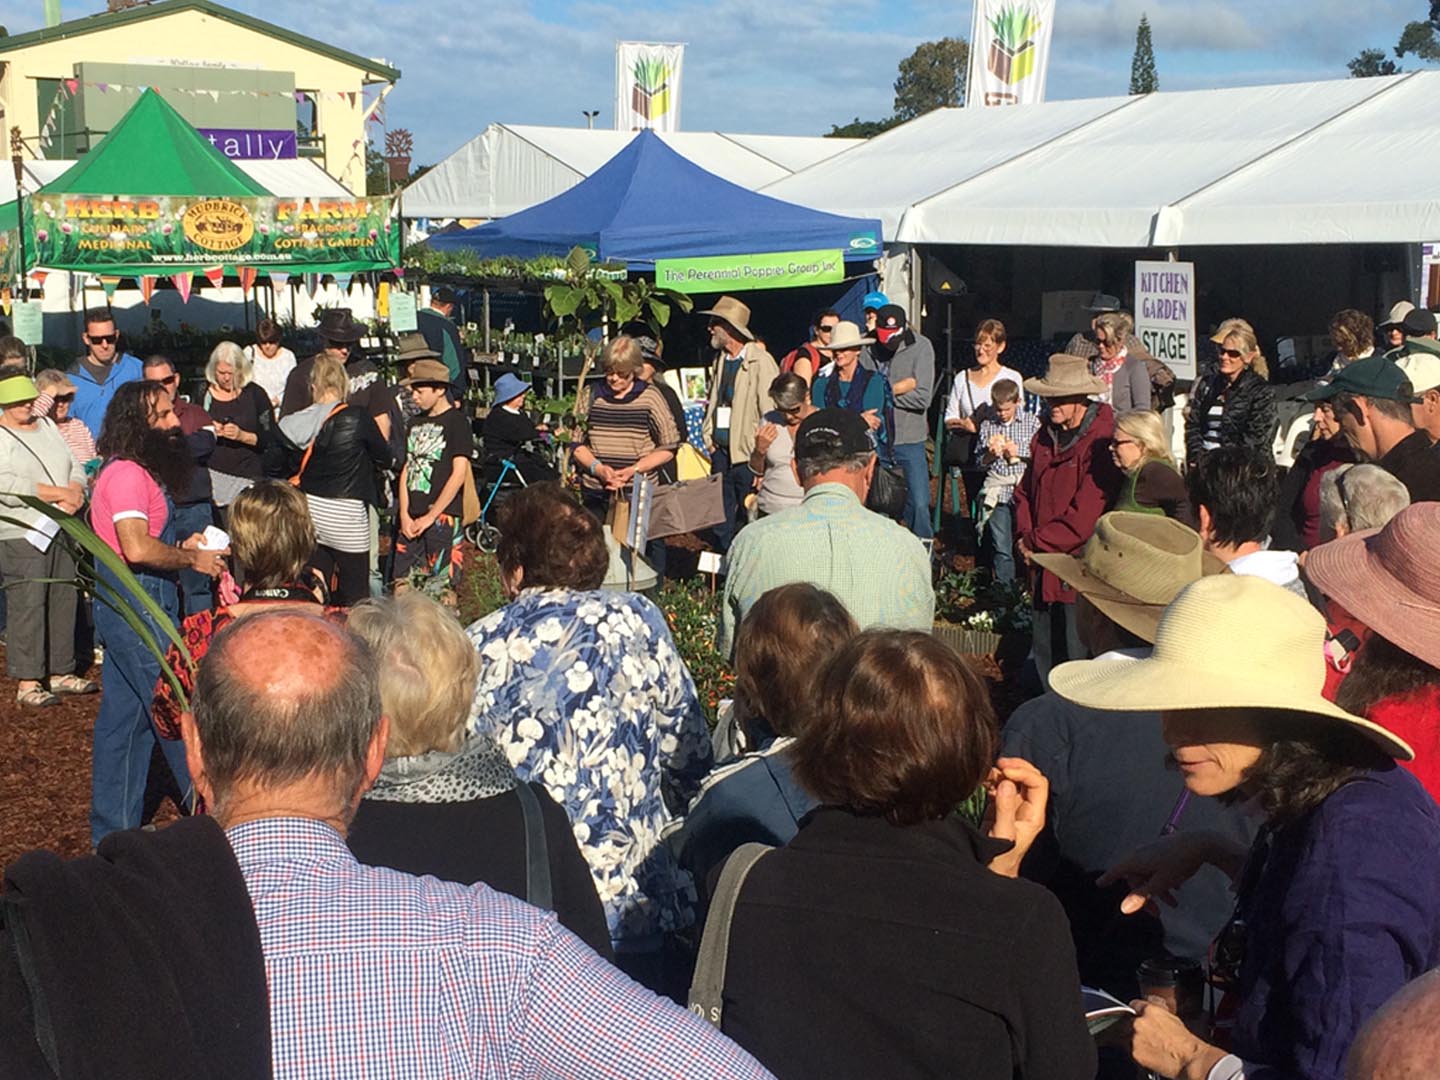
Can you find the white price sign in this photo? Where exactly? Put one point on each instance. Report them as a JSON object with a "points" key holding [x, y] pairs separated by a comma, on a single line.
{"points": [[1165, 313]]}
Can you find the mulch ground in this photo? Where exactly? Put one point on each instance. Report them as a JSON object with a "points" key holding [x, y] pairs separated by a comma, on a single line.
{"points": [[45, 774]]}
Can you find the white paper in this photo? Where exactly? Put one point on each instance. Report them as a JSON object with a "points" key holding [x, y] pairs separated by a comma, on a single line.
{"points": [[709, 562], [214, 539], [402, 312], [42, 534], [722, 418]]}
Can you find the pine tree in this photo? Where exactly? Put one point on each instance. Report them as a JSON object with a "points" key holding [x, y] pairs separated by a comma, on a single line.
{"points": [[1143, 79]]}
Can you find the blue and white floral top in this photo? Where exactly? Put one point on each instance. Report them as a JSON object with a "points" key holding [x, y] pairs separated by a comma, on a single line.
{"points": [[585, 693]]}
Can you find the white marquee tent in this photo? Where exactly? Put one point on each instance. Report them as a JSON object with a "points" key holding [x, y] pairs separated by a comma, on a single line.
{"points": [[1352, 161], [510, 167]]}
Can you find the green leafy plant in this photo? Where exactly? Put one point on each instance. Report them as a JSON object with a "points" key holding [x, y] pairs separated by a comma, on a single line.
{"points": [[693, 612], [592, 297]]}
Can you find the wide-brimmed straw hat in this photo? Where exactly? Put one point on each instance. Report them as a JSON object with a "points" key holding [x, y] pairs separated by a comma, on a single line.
{"points": [[1387, 578], [846, 335], [1066, 376], [1133, 566], [1230, 641], [733, 312]]}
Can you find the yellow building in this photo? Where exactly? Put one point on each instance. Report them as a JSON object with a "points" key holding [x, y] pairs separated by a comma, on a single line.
{"points": [[257, 90]]}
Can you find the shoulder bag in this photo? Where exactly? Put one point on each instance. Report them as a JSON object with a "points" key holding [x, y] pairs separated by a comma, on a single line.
{"points": [[707, 991], [960, 445]]}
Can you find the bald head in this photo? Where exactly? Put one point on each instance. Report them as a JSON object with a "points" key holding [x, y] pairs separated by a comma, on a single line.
{"points": [[284, 697], [1402, 1040]]}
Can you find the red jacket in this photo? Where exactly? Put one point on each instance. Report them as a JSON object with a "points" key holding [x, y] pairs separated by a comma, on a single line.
{"points": [[1064, 492], [1415, 717]]}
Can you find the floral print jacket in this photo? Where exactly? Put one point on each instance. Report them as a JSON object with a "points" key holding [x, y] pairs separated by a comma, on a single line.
{"points": [[585, 693]]}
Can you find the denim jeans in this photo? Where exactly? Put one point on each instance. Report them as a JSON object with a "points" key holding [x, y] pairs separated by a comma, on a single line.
{"points": [[913, 463], [197, 590], [1001, 528], [739, 482], [124, 737], [1056, 638]]}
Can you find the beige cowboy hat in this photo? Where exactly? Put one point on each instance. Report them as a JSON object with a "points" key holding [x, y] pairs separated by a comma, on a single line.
{"points": [[1398, 311], [1133, 565], [1230, 641], [733, 312], [1388, 578], [1066, 376], [846, 335]]}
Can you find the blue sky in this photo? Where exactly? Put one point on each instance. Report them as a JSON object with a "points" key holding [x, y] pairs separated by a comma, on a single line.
{"points": [[783, 66]]}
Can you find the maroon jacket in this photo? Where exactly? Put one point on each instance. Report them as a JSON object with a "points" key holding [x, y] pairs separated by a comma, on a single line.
{"points": [[1064, 492]]}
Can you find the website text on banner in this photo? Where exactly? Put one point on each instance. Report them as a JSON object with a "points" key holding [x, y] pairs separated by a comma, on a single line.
{"points": [[1009, 52], [647, 86], [89, 232], [1165, 313], [731, 273]]}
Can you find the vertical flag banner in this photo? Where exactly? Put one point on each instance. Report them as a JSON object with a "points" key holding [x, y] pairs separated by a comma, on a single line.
{"points": [[1009, 52], [647, 86]]}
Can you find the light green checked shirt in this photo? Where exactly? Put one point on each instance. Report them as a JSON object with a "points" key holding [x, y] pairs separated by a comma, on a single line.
{"points": [[878, 569]]}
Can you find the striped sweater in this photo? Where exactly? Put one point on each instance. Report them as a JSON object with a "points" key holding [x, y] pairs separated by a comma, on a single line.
{"points": [[622, 432]]}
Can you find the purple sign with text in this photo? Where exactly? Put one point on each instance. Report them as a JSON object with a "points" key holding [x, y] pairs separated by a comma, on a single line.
{"points": [[249, 144]]}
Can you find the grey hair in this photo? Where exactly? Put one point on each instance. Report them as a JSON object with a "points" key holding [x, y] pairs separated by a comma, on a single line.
{"points": [[229, 351], [788, 390], [818, 464], [1359, 497], [1117, 325], [250, 734]]}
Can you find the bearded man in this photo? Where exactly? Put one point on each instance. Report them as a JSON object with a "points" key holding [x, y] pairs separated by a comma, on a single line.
{"points": [[146, 464]]}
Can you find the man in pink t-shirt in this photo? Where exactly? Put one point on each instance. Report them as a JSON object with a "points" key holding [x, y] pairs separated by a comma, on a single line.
{"points": [[145, 460]]}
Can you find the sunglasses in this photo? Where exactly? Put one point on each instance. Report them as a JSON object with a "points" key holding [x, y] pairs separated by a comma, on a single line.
{"points": [[65, 397], [1233, 354], [826, 328], [102, 339]]}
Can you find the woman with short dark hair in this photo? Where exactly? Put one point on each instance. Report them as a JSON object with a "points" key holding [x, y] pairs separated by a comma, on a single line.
{"points": [[585, 692], [878, 942], [775, 445]]}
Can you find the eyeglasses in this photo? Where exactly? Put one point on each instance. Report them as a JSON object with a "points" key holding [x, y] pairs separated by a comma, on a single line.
{"points": [[65, 397], [792, 411], [102, 339], [1232, 354], [169, 380], [1125, 442]]}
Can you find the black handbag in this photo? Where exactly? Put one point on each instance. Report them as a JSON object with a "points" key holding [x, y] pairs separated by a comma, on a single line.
{"points": [[959, 450], [889, 491]]}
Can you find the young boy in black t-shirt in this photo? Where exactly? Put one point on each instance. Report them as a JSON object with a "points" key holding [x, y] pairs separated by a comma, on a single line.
{"points": [[438, 443]]}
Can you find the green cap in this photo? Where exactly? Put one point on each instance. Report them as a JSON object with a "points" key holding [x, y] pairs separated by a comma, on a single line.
{"points": [[1374, 377], [17, 388]]}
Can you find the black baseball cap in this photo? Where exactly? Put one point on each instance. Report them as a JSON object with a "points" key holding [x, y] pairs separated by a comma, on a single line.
{"points": [[1418, 323], [1373, 377], [444, 295], [827, 432]]}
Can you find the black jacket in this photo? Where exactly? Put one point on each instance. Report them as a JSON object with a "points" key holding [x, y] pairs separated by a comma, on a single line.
{"points": [[483, 840], [1415, 462], [866, 950], [1249, 418], [141, 961], [349, 459]]}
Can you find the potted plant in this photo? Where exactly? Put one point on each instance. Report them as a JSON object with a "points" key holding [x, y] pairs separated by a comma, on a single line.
{"points": [[978, 616], [1012, 49]]}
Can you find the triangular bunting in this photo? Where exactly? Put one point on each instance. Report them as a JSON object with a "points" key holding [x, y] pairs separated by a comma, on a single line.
{"points": [[247, 275], [351, 96], [342, 281], [39, 276], [215, 275], [77, 288], [104, 88], [182, 284], [5, 299], [278, 278], [147, 286], [109, 284], [312, 284], [399, 271], [73, 85]]}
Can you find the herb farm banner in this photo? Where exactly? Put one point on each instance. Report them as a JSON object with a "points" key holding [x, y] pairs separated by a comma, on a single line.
{"points": [[1009, 52], [647, 86], [148, 234], [734, 273]]}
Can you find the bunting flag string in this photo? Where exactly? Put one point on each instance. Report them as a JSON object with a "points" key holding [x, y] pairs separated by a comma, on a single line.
{"points": [[109, 284], [312, 284], [278, 278], [5, 298], [215, 275], [147, 286], [247, 275], [72, 87], [342, 282], [182, 284], [39, 276]]}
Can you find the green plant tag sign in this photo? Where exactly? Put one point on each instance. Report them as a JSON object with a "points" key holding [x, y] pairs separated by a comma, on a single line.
{"points": [[29, 321], [732, 273], [402, 312]]}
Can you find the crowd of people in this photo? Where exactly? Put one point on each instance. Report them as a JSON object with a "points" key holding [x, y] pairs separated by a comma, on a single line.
{"points": [[518, 848]]}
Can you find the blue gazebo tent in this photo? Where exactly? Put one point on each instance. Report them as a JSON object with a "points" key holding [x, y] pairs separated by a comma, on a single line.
{"points": [[648, 202]]}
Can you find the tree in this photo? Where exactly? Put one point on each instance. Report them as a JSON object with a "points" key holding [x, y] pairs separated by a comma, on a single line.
{"points": [[1372, 62], [1420, 38], [932, 77], [377, 171], [1143, 79], [861, 129]]}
